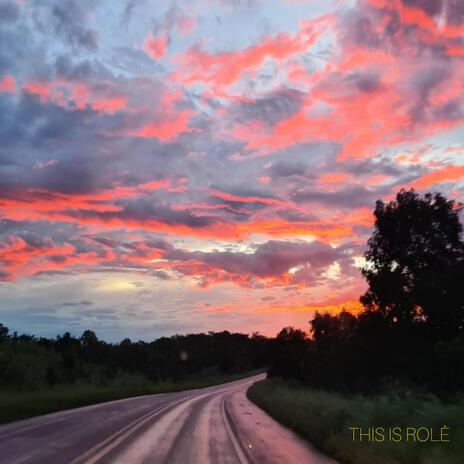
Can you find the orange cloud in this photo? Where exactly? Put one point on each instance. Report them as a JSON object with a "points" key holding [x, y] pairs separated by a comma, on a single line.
{"points": [[334, 178], [322, 230], [360, 217], [19, 258], [449, 173], [353, 306]]}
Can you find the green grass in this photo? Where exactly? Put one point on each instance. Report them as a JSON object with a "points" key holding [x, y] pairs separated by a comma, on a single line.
{"points": [[323, 418], [16, 405]]}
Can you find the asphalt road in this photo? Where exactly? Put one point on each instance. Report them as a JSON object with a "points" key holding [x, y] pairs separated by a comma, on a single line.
{"points": [[209, 425]]}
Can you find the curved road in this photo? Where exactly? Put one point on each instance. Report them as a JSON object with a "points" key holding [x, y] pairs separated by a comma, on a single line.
{"points": [[216, 425]]}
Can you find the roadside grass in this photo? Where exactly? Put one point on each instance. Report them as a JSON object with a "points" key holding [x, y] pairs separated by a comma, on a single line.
{"points": [[15, 405], [323, 418]]}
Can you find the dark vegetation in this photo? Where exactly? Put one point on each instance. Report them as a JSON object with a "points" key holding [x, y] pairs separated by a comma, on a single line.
{"points": [[400, 361], [411, 331], [39, 375], [28, 362], [324, 417]]}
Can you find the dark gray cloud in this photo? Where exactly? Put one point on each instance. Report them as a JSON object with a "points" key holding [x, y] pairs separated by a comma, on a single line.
{"points": [[287, 169], [272, 258], [9, 11], [452, 10], [295, 216], [352, 196], [359, 26], [77, 303], [28, 119], [269, 260], [365, 82], [455, 12], [17, 43], [129, 9], [144, 211], [422, 84], [271, 109], [66, 67], [431, 7], [450, 111], [381, 165], [69, 20]]}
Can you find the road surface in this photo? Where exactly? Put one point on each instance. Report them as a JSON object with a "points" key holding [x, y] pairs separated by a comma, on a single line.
{"points": [[216, 425]]}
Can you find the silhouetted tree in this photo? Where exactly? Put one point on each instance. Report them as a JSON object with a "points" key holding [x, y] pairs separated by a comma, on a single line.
{"points": [[411, 328], [89, 339], [328, 330], [415, 263], [288, 353], [3, 332]]}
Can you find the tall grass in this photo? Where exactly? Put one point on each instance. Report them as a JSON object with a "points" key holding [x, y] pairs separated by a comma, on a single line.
{"points": [[323, 418]]}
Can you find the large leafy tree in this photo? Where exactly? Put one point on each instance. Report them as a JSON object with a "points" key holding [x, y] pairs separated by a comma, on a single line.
{"points": [[415, 263]]}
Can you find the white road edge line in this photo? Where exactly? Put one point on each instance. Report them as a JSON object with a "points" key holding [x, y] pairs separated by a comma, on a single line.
{"points": [[93, 455], [98, 451], [242, 457]]}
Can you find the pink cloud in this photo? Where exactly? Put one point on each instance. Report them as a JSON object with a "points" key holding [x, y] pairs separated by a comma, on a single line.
{"points": [[222, 70], [61, 92], [168, 122], [165, 130], [156, 47], [7, 84], [334, 178], [186, 25]]}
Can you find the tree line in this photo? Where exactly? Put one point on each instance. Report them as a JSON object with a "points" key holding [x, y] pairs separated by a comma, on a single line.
{"points": [[411, 330], [30, 362]]}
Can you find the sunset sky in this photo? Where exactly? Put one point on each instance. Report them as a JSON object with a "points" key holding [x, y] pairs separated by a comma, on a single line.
{"points": [[182, 166]]}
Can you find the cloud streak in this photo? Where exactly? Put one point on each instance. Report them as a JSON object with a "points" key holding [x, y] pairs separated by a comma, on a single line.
{"points": [[215, 155]]}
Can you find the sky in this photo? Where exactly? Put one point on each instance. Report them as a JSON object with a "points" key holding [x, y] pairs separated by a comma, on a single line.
{"points": [[183, 166]]}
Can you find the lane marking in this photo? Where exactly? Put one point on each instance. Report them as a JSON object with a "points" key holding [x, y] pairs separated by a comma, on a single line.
{"points": [[240, 449], [60, 416], [106, 446], [102, 449], [188, 401], [98, 451]]}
